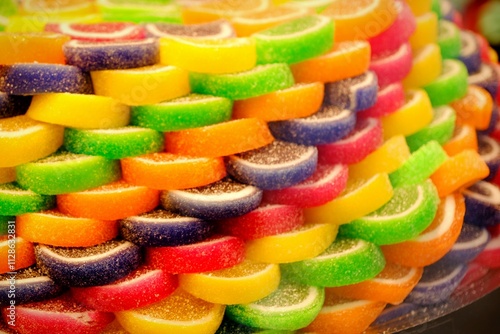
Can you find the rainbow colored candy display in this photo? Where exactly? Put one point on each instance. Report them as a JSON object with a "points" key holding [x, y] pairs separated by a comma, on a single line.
{"points": [[231, 166]]}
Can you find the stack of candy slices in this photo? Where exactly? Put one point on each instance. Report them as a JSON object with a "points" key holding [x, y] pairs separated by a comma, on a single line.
{"points": [[241, 166]]}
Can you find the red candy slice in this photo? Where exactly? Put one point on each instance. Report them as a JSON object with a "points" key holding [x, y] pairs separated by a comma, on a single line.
{"points": [[389, 99], [327, 182], [60, 315], [365, 138], [264, 221], [105, 31], [397, 34], [216, 253], [142, 287]]}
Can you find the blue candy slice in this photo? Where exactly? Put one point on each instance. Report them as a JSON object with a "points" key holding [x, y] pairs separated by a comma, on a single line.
{"points": [[220, 200], [356, 94], [13, 105], [34, 78], [437, 284], [327, 125], [487, 78], [92, 56], [482, 203], [89, 266], [275, 166], [29, 285], [489, 150], [471, 241], [470, 53], [161, 228]]}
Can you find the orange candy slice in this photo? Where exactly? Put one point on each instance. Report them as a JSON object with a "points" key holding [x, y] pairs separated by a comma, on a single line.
{"points": [[436, 240], [361, 19], [217, 9], [392, 285], [248, 24], [112, 201], [345, 60], [300, 100], [475, 108], [464, 138], [459, 171], [57, 229], [32, 47], [344, 316], [165, 171], [220, 139], [15, 253]]}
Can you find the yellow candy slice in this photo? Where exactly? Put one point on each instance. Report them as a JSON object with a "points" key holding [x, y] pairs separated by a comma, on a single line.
{"points": [[242, 284], [426, 31], [79, 110], [386, 159], [23, 139], [427, 67], [420, 7], [179, 313], [227, 55], [142, 86], [304, 243], [359, 198], [413, 116]]}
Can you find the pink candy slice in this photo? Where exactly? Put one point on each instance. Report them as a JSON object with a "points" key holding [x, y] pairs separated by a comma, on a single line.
{"points": [[327, 182], [365, 138], [106, 31]]}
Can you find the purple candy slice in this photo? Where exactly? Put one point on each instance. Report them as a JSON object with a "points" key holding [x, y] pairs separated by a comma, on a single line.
{"points": [[470, 53], [31, 79], [471, 241], [220, 200], [326, 126], [482, 203], [487, 78], [92, 56], [437, 283], [161, 228], [275, 166], [30, 285], [489, 149], [13, 105], [357, 93], [89, 266]]}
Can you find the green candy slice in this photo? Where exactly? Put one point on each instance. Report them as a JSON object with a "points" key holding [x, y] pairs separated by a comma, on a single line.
{"points": [[291, 307], [140, 11], [420, 165], [65, 172], [115, 143], [260, 80], [410, 211], [436, 8], [346, 261], [449, 40], [295, 41], [15, 201], [186, 112], [4, 224], [450, 85], [440, 129]]}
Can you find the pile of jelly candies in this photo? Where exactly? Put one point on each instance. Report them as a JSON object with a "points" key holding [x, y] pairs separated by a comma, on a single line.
{"points": [[242, 166]]}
